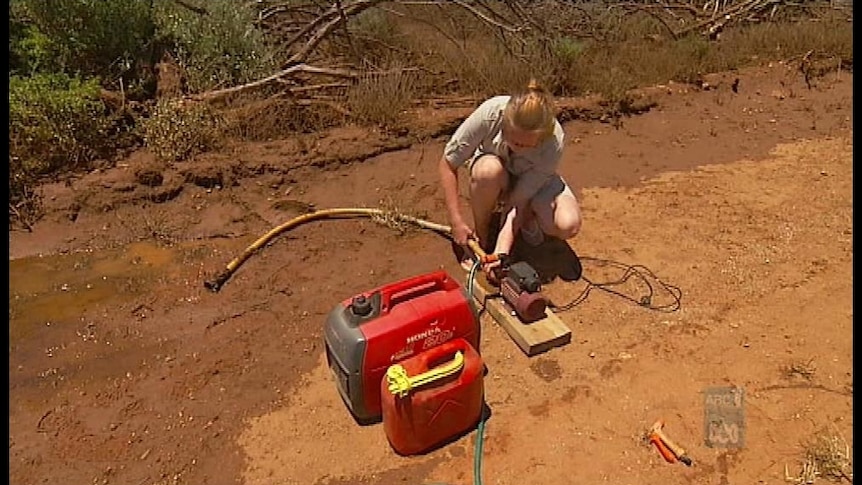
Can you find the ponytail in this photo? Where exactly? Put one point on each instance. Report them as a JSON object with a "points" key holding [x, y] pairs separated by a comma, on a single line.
{"points": [[531, 110]]}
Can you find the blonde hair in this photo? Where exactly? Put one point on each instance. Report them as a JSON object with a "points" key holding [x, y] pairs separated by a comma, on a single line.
{"points": [[531, 110]]}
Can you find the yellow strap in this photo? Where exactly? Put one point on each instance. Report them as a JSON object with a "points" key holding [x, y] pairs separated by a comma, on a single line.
{"points": [[400, 383]]}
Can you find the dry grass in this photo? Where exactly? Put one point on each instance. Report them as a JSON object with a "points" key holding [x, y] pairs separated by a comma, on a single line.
{"points": [[827, 455], [382, 98], [615, 68], [799, 368], [392, 217], [492, 71], [176, 131], [402, 222], [424, 52], [601, 50], [274, 118]]}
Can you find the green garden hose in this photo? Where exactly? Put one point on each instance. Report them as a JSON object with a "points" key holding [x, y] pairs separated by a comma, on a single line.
{"points": [[480, 430]]}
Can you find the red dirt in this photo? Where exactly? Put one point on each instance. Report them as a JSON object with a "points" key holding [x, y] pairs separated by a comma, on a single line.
{"points": [[125, 369]]}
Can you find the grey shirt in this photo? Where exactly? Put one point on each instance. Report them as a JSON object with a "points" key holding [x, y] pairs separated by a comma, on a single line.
{"points": [[481, 133]]}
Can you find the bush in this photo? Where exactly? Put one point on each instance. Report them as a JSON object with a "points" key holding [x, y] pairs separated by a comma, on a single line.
{"points": [[29, 49], [175, 131], [563, 56], [56, 122], [92, 38], [218, 49]]}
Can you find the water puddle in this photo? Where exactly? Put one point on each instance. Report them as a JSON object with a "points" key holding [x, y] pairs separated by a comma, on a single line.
{"points": [[57, 289]]}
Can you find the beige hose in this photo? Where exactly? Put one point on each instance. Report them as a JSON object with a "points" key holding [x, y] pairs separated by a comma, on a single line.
{"points": [[382, 216]]}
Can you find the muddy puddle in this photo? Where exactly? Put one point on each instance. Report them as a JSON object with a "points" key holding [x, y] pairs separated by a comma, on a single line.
{"points": [[62, 289]]}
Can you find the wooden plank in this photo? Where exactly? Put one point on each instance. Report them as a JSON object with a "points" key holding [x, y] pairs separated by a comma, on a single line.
{"points": [[533, 338]]}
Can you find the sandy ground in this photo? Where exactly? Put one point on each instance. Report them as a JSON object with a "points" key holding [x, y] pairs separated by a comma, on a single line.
{"points": [[124, 369]]}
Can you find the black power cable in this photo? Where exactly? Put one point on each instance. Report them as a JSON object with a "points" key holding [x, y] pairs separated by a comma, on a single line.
{"points": [[641, 272]]}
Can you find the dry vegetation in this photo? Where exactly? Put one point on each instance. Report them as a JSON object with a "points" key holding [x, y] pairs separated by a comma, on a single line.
{"points": [[367, 61], [826, 455], [347, 56]]}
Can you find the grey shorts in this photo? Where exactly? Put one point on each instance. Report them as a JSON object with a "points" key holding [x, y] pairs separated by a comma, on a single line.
{"points": [[546, 195]]}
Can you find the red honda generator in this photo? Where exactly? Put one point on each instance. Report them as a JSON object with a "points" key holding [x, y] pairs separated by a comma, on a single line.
{"points": [[369, 332]]}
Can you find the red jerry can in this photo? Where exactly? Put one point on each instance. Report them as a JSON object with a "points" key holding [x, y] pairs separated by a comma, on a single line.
{"points": [[373, 330], [432, 397]]}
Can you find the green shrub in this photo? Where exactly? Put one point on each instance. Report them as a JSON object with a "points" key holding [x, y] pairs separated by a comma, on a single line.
{"points": [[218, 49], [175, 131], [56, 122], [103, 38], [561, 59], [29, 49]]}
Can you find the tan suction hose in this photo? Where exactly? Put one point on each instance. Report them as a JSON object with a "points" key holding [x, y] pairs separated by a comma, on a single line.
{"points": [[380, 215]]}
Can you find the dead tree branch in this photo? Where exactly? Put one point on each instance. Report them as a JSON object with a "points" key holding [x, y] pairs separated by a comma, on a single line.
{"points": [[343, 23], [645, 9], [500, 22], [325, 24], [13, 211], [485, 18], [501, 27], [298, 68], [719, 20], [319, 29], [316, 87], [523, 16]]}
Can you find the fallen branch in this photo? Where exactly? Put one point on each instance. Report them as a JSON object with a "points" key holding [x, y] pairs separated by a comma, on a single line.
{"points": [[820, 387], [254, 308], [39, 428], [299, 68], [315, 87]]}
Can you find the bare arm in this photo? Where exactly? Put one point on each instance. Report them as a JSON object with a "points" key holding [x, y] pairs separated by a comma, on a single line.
{"points": [[510, 226], [449, 181]]}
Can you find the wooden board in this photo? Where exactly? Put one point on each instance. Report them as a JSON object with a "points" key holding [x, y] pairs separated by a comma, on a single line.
{"points": [[533, 338]]}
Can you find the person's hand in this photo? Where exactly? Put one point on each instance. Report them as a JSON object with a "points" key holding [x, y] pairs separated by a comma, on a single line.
{"points": [[461, 232], [491, 271]]}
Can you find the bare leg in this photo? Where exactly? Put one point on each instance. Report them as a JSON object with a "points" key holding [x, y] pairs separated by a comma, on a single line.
{"points": [[559, 215], [488, 181]]}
